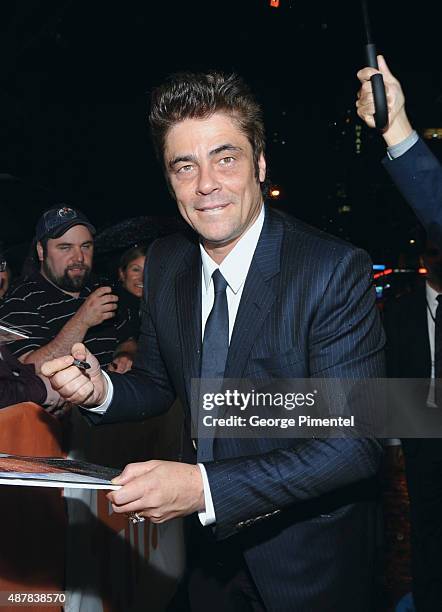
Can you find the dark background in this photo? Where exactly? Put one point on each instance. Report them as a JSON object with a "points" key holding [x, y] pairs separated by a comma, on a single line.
{"points": [[75, 77]]}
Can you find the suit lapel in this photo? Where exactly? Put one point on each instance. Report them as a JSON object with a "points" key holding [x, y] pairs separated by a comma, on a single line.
{"points": [[188, 300], [256, 301], [258, 295]]}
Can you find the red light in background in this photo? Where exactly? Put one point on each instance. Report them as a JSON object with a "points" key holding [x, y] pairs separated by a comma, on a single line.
{"points": [[422, 270], [274, 3], [383, 273]]}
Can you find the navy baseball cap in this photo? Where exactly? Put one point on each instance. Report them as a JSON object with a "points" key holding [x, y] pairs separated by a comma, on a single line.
{"points": [[56, 221]]}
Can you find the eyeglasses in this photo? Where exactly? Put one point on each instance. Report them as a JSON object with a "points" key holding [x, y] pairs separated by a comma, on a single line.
{"points": [[3, 265]]}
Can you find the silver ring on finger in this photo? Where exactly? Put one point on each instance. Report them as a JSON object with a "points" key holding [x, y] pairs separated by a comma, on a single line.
{"points": [[134, 518]]}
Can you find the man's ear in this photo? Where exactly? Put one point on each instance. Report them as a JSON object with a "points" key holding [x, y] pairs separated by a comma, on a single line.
{"points": [[121, 274], [262, 168], [39, 248]]}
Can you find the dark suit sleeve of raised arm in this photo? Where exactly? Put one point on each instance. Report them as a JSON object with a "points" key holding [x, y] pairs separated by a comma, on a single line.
{"points": [[418, 175], [346, 341], [146, 389]]}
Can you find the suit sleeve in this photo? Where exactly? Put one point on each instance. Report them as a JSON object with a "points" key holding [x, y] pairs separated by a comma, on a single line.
{"points": [[418, 175], [346, 341]]}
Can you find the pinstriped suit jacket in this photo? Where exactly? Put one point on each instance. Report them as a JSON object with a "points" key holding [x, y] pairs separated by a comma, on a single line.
{"points": [[301, 510]]}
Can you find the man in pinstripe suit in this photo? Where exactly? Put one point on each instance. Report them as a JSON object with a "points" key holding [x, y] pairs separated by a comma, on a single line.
{"points": [[292, 524]]}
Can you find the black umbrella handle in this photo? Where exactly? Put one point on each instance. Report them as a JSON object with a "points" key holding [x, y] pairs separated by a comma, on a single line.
{"points": [[377, 83]]}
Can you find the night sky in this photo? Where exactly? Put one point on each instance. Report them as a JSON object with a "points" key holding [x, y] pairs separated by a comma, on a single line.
{"points": [[75, 77]]}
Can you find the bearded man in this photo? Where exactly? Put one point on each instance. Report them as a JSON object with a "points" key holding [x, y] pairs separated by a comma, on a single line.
{"points": [[60, 304]]}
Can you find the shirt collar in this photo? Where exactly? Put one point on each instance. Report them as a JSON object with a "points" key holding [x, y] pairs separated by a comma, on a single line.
{"points": [[242, 252], [431, 297]]}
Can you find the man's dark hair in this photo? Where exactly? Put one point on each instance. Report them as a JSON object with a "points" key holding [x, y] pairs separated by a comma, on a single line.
{"points": [[44, 245], [187, 95], [133, 253], [31, 262]]}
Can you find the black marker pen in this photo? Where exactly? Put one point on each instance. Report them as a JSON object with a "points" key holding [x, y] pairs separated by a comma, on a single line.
{"points": [[81, 364]]}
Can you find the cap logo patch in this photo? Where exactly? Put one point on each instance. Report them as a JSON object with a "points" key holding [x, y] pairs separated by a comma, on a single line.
{"points": [[66, 213]]}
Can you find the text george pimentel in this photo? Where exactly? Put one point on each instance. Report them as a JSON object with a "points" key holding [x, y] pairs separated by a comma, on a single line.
{"points": [[301, 420]]}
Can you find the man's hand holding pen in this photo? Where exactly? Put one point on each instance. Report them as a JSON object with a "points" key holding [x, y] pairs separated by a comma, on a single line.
{"points": [[74, 381]]}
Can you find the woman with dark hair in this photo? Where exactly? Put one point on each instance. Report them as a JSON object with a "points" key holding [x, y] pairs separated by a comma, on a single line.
{"points": [[130, 290], [131, 269]]}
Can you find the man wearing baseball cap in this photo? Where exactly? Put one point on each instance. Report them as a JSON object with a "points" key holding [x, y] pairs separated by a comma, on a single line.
{"points": [[56, 221], [58, 304]]}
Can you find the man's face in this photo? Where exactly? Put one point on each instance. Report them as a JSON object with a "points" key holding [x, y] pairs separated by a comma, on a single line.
{"points": [[209, 163], [68, 260]]}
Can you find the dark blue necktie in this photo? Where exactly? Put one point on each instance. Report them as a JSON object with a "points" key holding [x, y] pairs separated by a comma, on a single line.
{"points": [[214, 352]]}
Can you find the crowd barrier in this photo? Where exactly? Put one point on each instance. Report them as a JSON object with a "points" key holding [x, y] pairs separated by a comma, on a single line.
{"points": [[33, 520], [71, 541]]}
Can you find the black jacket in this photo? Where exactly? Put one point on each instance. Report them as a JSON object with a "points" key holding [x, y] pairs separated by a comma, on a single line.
{"points": [[18, 381]]}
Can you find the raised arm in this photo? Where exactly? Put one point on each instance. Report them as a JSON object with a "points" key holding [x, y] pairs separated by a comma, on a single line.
{"points": [[414, 169]]}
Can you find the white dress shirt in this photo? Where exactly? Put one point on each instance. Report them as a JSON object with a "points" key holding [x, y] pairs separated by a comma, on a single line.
{"points": [[432, 304], [234, 268]]}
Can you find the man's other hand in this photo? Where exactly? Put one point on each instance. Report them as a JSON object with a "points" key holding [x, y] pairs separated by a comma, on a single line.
{"points": [[100, 305], [398, 127], [74, 384], [159, 490], [121, 363]]}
